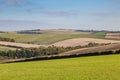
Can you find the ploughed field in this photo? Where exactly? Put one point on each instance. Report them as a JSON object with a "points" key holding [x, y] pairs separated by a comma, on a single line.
{"points": [[113, 35], [110, 47], [82, 68], [82, 42]]}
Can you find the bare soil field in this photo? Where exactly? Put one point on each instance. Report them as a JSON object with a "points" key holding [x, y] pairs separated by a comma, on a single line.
{"points": [[19, 44], [82, 42], [113, 35], [109, 47]]}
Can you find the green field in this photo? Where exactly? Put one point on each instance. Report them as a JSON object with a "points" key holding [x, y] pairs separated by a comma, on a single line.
{"points": [[82, 68], [2, 48], [45, 39]]}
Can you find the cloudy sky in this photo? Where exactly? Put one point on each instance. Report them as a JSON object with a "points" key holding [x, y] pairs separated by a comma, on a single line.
{"points": [[68, 14]]}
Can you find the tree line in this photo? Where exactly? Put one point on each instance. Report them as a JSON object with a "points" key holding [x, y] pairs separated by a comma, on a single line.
{"points": [[45, 51], [41, 51], [34, 52]]}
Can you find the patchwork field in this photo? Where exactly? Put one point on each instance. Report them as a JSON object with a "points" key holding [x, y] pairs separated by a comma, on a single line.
{"points": [[110, 47], [65, 40], [82, 42], [46, 39], [64, 43], [83, 68]]}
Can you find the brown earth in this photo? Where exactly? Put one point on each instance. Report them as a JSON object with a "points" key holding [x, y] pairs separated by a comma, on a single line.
{"points": [[93, 49], [113, 35], [82, 42]]}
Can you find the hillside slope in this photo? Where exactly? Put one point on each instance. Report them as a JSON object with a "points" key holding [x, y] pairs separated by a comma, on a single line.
{"points": [[46, 39], [82, 42], [93, 49], [21, 45]]}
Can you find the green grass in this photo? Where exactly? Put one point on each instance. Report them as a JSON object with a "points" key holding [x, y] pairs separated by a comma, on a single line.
{"points": [[45, 39], [2, 48], [82, 68]]}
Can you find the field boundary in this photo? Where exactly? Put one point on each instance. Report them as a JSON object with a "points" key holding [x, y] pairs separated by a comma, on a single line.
{"points": [[51, 57]]}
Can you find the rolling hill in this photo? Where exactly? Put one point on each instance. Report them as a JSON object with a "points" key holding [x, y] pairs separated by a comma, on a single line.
{"points": [[46, 39], [82, 42]]}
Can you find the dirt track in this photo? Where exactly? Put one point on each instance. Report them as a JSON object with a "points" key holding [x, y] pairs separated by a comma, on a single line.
{"points": [[82, 42], [94, 49]]}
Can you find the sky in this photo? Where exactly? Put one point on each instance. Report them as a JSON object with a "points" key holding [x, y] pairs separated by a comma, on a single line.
{"points": [[60, 14]]}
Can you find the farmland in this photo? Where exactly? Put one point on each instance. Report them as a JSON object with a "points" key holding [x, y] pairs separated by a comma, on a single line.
{"points": [[59, 40], [84, 68], [18, 45], [105, 67], [2, 48], [113, 35], [82, 42], [45, 39]]}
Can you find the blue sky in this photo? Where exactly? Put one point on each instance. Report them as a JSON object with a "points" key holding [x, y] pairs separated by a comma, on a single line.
{"points": [[53, 14]]}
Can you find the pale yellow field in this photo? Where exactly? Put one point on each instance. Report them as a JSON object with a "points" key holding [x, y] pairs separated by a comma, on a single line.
{"points": [[18, 44], [82, 42], [113, 35]]}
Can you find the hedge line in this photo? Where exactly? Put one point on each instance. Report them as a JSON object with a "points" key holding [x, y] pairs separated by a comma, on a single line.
{"points": [[41, 51], [66, 56]]}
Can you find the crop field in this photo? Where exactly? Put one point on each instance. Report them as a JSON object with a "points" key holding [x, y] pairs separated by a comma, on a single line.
{"points": [[82, 42], [113, 35], [110, 47], [45, 39], [6, 48], [82, 68], [19, 45]]}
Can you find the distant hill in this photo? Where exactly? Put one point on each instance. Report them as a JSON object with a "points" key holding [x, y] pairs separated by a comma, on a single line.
{"points": [[54, 31]]}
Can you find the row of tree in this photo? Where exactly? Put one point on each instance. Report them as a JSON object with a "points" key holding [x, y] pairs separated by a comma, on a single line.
{"points": [[33, 52], [41, 51], [7, 39]]}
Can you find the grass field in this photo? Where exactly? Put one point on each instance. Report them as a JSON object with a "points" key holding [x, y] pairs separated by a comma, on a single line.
{"points": [[6, 48], [45, 39], [82, 68]]}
